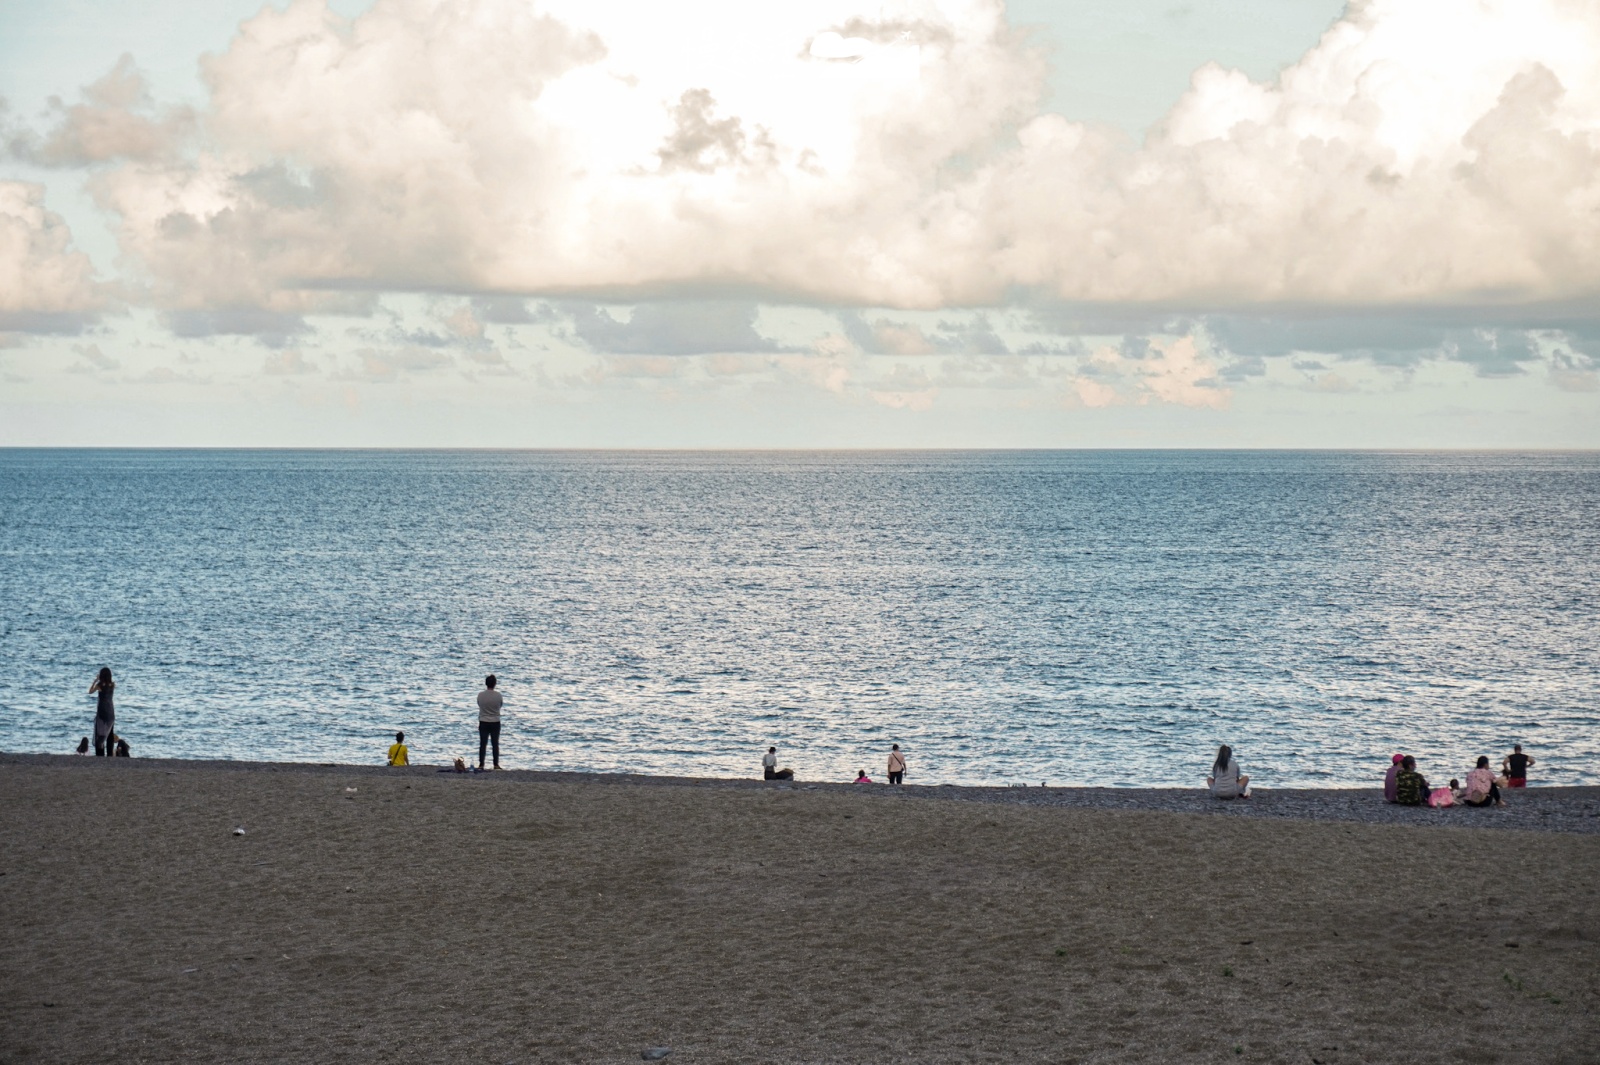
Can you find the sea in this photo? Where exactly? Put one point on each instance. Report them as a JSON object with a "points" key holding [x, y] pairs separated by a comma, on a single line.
{"points": [[1061, 617]]}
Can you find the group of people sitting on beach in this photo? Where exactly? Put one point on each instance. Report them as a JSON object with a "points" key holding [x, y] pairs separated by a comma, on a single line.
{"points": [[1405, 786]]}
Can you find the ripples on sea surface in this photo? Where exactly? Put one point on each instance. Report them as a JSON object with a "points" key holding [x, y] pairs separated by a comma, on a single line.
{"points": [[1071, 617]]}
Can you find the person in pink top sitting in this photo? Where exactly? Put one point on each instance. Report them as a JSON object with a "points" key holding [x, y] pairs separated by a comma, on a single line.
{"points": [[862, 778], [1389, 793], [1481, 787]]}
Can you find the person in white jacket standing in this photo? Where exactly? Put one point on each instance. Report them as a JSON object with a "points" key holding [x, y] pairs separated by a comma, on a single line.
{"points": [[897, 765], [489, 704]]}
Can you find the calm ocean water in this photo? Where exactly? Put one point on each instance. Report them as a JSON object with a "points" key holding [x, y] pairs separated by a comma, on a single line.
{"points": [[1097, 617]]}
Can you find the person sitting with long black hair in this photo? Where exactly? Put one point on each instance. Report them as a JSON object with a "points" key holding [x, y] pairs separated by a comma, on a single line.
{"points": [[1225, 780]]}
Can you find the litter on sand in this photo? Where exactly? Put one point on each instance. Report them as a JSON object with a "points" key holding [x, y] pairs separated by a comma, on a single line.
{"points": [[238, 831]]}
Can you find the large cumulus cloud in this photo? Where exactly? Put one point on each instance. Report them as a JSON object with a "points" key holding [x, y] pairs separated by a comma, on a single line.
{"points": [[45, 284], [1425, 152]]}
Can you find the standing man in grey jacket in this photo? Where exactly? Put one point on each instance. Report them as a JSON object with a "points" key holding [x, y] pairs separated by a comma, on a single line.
{"points": [[489, 704]]}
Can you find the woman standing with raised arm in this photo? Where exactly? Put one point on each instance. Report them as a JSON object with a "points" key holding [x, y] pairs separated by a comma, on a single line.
{"points": [[105, 713]]}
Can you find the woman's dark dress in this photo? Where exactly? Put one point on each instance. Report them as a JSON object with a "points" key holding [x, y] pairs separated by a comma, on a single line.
{"points": [[105, 718]]}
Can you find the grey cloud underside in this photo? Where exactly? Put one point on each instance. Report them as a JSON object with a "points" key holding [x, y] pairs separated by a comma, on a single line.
{"points": [[45, 323], [703, 142], [884, 336], [1495, 342], [687, 328], [272, 328], [508, 310]]}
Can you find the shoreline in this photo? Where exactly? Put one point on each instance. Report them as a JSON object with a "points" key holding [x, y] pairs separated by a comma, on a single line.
{"points": [[1563, 809]]}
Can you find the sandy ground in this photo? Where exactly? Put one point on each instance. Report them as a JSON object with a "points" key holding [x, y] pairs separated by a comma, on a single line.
{"points": [[433, 917]]}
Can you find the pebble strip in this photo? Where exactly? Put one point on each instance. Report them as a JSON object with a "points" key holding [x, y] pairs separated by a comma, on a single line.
{"points": [[1527, 810], [1566, 809]]}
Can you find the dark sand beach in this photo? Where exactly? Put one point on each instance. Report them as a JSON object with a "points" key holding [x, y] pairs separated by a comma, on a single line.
{"points": [[521, 917]]}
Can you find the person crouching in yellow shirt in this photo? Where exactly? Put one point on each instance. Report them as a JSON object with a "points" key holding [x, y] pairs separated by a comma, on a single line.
{"points": [[398, 755]]}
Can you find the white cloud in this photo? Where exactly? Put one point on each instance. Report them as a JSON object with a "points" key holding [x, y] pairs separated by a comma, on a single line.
{"points": [[94, 359], [831, 45], [166, 375], [904, 388], [1173, 371], [116, 119], [45, 284], [1574, 372], [388, 365], [289, 362], [578, 146], [1424, 152]]}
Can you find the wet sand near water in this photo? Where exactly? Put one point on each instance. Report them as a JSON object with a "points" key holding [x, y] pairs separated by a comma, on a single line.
{"points": [[500, 918]]}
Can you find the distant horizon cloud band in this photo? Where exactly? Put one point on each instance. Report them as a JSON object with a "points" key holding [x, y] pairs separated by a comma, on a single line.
{"points": [[816, 223]]}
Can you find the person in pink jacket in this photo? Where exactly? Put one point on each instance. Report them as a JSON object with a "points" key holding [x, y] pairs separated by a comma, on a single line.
{"points": [[1389, 793], [1481, 787]]}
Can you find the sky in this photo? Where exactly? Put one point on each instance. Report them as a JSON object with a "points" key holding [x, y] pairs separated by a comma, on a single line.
{"points": [[932, 223]]}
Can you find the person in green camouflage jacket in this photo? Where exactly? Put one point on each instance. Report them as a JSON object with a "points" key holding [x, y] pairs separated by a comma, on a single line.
{"points": [[1409, 787]]}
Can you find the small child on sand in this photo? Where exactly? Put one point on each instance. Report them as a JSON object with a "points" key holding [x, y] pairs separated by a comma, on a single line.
{"points": [[862, 778], [398, 754]]}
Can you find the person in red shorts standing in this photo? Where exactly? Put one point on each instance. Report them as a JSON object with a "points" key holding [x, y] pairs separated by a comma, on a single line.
{"points": [[1515, 766]]}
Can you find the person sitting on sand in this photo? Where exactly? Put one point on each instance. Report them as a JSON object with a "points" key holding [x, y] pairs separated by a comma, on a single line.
{"points": [[1388, 778], [1409, 786], [398, 753], [1225, 781], [897, 765], [83, 746], [122, 747], [769, 767], [1515, 766], [862, 778], [1481, 788]]}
